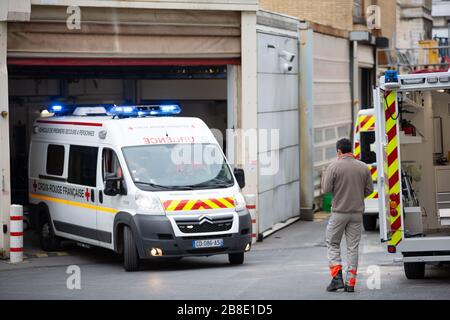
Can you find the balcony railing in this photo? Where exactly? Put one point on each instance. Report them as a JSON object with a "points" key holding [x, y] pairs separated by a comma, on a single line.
{"points": [[414, 60]]}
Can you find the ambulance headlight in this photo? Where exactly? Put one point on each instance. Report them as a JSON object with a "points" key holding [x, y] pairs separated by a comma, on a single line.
{"points": [[239, 202], [148, 203]]}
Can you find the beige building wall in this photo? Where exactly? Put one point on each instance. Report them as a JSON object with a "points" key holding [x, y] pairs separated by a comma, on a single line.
{"points": [[332, 13], [388, 19]]}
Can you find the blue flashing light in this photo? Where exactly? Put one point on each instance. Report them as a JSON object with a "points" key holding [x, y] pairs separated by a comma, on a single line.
{"points": [[170, 109], [56, 109], [124, 111], [391, 76], [158, 110]]}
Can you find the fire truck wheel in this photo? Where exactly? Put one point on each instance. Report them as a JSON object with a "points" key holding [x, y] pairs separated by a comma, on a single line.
{"points": [[49, 241], [236, 258], [369, 222], [414, 270], [130, 253]]}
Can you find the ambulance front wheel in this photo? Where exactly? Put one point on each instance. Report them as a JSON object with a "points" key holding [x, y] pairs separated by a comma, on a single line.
{"points": [[236, 258], [49, 241], [130, 253]]}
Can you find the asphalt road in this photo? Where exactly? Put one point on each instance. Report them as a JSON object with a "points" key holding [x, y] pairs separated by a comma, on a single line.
{"points": [[290, 264]]}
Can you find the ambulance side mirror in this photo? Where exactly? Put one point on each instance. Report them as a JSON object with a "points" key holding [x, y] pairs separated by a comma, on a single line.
{"points": [[240, 177], [112, 185]]}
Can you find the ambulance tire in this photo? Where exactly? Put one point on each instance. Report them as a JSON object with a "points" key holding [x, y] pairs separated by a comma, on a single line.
{"points": [[130, 253], [369, 222], [414, 270], [49, 241], [236, 258]]}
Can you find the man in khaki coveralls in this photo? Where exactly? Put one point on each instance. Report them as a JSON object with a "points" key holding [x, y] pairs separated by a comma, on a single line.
{"points": [[349, 180]]}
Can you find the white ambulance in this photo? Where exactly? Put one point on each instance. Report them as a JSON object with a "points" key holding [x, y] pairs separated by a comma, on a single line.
{"points": [[142, 185]]}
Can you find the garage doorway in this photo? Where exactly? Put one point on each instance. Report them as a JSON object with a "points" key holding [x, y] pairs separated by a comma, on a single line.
{"points": [[201, 91]]}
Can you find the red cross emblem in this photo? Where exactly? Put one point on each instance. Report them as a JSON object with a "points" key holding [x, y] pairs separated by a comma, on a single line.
{"points": [[87, 194]]}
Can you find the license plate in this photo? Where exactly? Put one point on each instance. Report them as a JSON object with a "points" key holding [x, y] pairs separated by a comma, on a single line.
{"points": [[210, 243]]}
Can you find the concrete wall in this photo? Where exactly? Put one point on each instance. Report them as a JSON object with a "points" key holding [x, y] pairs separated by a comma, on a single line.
{"points": [[415, 22]]}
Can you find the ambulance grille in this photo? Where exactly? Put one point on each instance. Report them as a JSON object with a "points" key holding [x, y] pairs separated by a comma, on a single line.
{"points": [[206, 226]]}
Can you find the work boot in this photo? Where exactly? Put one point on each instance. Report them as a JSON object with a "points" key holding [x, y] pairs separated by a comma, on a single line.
{"points": [[349, 288], [336, 283], [351, 281]]}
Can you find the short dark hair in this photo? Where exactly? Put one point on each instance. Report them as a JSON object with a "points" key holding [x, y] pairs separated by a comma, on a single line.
{"points": [[345, 145]]}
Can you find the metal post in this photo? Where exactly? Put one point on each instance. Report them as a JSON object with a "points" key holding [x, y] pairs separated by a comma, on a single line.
{"points": [[250, 200], [306, 129], [16, 233]]}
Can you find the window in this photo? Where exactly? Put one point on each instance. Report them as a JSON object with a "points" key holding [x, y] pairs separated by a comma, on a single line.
{"points": [[330, 153], [83, 165], [358, 12], [110, 164], [318, 135], [343, 131], [330, 134], [55, 160]]}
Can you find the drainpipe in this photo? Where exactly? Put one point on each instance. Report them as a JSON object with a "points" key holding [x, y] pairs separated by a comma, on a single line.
{"points": [[306, 114]]}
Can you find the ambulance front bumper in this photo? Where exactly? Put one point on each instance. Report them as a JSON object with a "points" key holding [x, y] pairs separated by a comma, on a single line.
{"points": [[156, 232]]}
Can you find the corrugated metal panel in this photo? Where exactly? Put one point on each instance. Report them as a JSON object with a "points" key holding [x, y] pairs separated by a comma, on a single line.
{"points": [[278, 193], [332, 98]]}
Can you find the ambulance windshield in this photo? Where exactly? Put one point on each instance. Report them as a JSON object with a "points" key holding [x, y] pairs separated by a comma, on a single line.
{"points": [[178, 167]]}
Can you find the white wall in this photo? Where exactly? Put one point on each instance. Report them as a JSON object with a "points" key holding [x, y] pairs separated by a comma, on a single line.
{"points": [[278, 109], [332, 99]]}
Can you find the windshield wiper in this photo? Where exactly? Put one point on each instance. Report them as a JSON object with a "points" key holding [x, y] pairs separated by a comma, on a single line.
{"points": [[153, 185], [214, 183]]}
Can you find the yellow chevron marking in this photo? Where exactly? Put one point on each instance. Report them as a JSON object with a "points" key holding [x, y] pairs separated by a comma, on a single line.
{"points": [[189, 205], [393, 168], [211, 204], [390, 123], [225, 203], [357, 151], [368, 124], [396, 238], [389, 99], [173, 205], [391, 146], [372, 195]]}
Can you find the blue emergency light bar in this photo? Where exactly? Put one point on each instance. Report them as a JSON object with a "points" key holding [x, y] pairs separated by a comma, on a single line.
{"points": [[56, 109], [145, 110], [123, 111]]}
